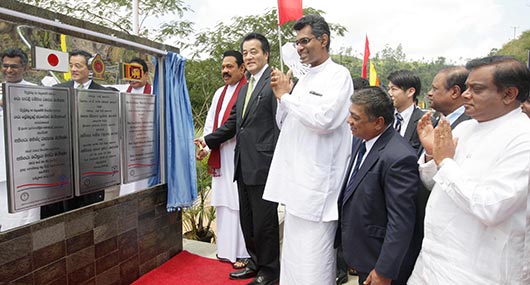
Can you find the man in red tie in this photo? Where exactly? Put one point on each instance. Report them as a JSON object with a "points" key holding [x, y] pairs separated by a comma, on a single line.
{"points": [[230, 242], [140, 86]]}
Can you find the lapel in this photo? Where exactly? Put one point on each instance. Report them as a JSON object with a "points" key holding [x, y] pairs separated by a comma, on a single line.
{"points": [[255, 97], [411, 126], [460, 119], [371, 159]]}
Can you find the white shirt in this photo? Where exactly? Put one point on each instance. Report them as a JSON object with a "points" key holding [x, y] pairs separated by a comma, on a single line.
{"points": [[86, 85], [477, 218], [406, 115], [312, 151], [451, 118], [8, 220], [224, 189], [368, 144]]}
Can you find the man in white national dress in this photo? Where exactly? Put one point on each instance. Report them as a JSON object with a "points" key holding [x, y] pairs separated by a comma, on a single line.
{"points": [[230, 242], [311, 156]]}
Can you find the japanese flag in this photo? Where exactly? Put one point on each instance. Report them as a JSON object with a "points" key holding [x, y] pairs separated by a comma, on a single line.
{"points": [[49, 59]]}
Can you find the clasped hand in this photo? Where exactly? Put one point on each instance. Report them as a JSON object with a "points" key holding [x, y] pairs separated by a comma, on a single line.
{"points": [[438, 142]]}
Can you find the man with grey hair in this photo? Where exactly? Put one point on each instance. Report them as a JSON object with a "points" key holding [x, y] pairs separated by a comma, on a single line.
{"points": [[306, 178], [476, 222], [377, 202]]}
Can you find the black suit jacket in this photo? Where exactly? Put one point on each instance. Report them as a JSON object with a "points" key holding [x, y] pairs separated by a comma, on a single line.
{"points": [[93, 85], [376, 219], [411, 133], [256, 133]]}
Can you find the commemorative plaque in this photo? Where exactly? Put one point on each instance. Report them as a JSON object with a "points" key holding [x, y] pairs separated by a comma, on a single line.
{"points": [[96, 132], [38, 145], [139, 158]]}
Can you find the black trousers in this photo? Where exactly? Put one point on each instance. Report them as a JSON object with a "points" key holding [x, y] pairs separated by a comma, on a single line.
{"points": [[259, 223]]}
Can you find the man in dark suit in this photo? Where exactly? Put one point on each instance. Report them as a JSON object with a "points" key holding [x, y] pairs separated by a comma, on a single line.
{"points": [[404, 87], [80, 71], [377, 202], [252, 121]]}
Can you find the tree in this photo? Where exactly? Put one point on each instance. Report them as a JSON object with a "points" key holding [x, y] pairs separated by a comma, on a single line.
{"points": [[214, 42], [517, 48], [203, 75], [117, 15]]}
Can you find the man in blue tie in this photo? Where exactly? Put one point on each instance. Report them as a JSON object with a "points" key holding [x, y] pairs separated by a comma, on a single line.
{"points": [[377, 202]]}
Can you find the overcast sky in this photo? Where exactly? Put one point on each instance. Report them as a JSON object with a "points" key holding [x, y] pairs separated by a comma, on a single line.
{"points": [[455, 29]]}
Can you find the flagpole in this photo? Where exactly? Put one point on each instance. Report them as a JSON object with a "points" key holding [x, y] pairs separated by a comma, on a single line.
{"points": [[135, 9], [280, 39]]}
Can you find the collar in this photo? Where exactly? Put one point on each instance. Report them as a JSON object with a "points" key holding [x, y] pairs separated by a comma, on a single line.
{"points": [[258, 75], [407, 113], [321, 66], [370, 143], [451, 118], [86, 85]]}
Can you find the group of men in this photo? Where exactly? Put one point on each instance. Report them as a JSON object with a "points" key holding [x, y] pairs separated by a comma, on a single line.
{"points": [[14, 65], [407, 199]]}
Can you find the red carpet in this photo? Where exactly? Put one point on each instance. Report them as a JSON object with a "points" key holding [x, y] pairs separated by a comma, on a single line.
{"points": [[190, 269]]}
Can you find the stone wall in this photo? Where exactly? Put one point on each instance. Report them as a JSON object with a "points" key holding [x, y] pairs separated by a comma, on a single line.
{"points": [[113, 242]]}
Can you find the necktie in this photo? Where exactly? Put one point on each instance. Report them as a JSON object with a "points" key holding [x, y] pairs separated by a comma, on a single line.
{"points": [[249, 94], [80, 86], [358, 160], [399, 119]]}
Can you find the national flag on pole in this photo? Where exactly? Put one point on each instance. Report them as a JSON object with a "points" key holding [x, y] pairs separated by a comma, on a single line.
{"points": [[374, 80], [289, 10], [49, 59], [64, 48], [366, 57]]}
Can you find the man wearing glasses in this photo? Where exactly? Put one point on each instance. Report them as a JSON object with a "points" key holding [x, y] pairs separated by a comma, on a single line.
{"points": [[14, 62], [311, 156]]}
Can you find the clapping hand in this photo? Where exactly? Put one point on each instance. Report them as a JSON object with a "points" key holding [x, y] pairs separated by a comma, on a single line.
{"points": [[281, 83]]}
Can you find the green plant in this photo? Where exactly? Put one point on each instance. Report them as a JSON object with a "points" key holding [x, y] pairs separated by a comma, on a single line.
{"points": [[197, 219]]}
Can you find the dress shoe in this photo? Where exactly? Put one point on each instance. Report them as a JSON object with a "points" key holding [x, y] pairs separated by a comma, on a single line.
{"points": [[242, 274], [341, 279], [264, 280]]}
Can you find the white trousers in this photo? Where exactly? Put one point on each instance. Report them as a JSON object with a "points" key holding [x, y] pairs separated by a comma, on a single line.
{"points": [[308, 256], [230, 242]]}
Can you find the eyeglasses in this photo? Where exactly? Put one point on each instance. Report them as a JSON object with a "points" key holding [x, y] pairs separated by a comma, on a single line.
{"points": [[303, 41], [13, 66]]}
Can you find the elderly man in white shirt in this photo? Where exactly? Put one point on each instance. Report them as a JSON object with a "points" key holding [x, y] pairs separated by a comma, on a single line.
{"points": [[311, 156], [477, 218]]}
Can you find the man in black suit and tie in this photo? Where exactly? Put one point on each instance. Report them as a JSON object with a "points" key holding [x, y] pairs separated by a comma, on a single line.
{"points": [[80, 72], [404, 88], [252, 121], [377, 202]]}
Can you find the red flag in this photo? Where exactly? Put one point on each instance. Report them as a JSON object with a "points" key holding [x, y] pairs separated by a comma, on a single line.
{"points": [[289, 10], [366, 56]]}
